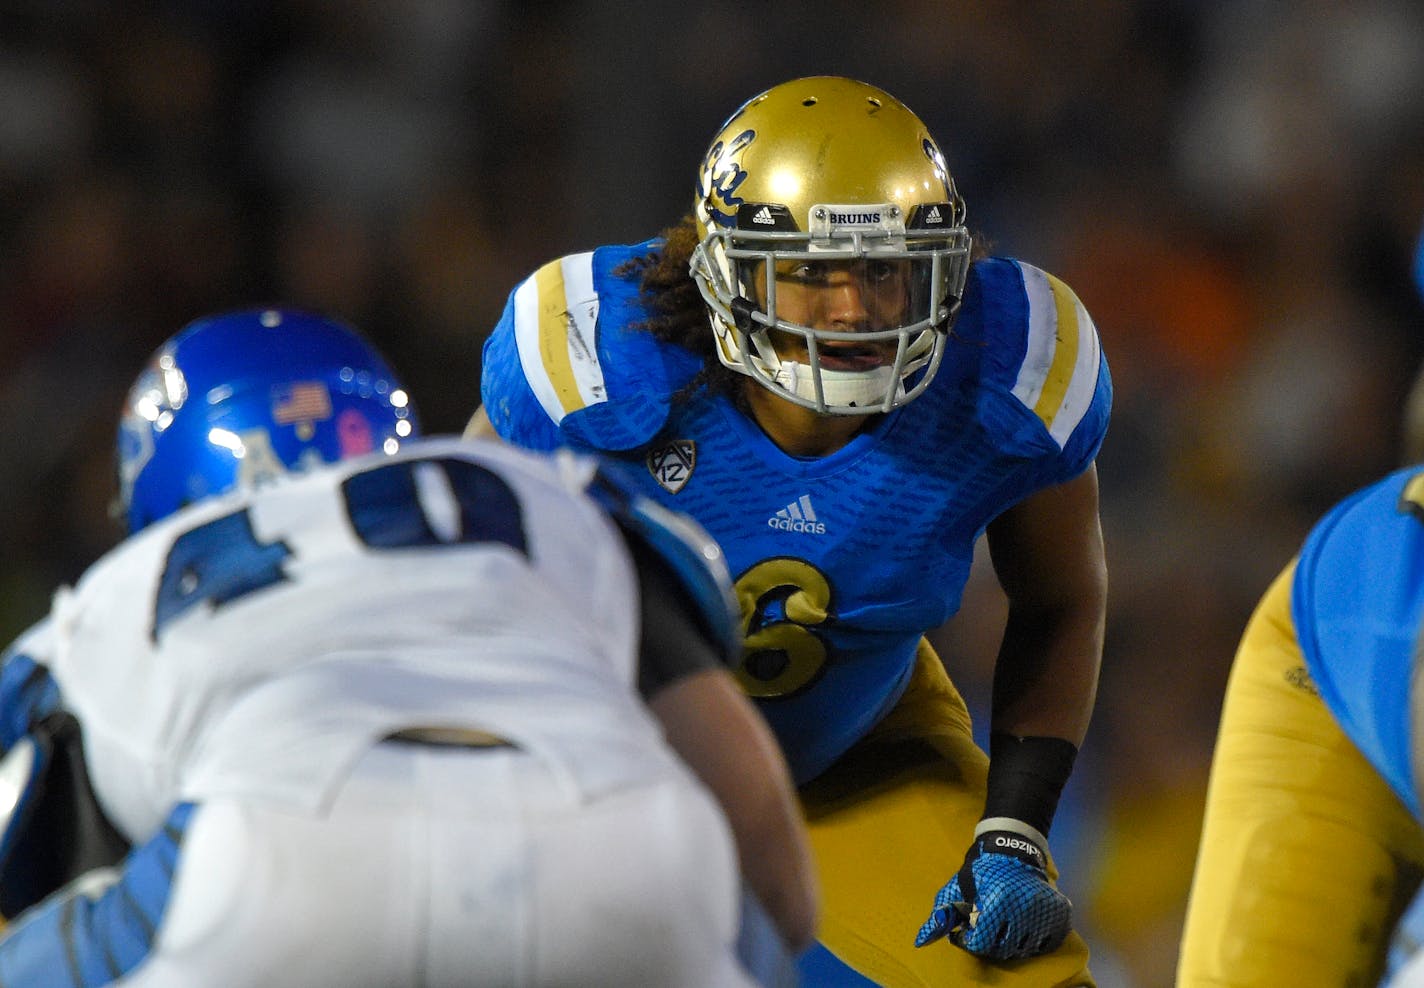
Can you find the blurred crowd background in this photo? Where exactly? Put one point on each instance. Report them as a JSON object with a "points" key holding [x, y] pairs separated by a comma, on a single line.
{"points": [[1235, 191]]}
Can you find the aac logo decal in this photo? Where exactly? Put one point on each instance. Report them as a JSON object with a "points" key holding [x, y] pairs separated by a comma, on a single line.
{"points": [[671, 465]]}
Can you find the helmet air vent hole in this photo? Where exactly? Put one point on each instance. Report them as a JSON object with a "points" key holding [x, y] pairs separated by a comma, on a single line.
{"points": [[809, 101], [873, 101]]}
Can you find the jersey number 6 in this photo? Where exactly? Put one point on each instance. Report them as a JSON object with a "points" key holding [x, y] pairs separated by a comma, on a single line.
{"points": [[782, 601]]}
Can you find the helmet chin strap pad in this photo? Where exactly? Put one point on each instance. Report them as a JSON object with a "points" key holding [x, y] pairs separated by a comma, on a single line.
{"points": [[849, 389], [854, 392]]}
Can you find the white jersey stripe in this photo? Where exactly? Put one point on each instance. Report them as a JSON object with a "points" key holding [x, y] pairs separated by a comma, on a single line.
{"points": [[1060, 369], [555, 312]]}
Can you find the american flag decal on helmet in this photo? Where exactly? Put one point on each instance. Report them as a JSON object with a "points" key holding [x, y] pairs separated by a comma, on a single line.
{"points": [[303, 401], [672, 464]]}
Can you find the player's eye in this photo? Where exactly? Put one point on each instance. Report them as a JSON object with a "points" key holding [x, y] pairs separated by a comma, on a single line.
{"points": [[881, 272], [804, 272]]}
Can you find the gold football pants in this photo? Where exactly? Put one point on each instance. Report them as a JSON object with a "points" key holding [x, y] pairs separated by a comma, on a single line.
{"points": [[890, 823], [1307, 857]]}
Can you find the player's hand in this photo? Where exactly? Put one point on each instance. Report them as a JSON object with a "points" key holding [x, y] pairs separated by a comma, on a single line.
{"points": [[1000, 906]]}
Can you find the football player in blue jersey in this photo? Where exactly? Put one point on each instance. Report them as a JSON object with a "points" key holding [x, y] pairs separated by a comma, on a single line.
{"points": [[1405, 966], [814, 365], [1312, 844], [373, 709]]}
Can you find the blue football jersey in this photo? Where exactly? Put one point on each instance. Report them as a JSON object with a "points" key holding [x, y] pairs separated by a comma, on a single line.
{"points": [[1356, 602], [843, 562]]}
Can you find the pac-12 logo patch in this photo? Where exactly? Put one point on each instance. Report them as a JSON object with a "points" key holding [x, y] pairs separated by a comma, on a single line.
{"points": [[672, 464]]}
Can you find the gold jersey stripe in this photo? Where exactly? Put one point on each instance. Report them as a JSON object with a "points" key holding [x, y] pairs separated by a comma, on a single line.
{"points": [[1058, 376], [553, 315], [1065, 354], [555, 332]]}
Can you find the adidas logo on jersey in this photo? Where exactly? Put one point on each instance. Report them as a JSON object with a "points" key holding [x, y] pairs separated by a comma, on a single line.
{"points": [[798, 516], [764, 217]]}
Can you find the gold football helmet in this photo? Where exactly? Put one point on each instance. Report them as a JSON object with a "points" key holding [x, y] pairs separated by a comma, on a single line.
{"points": [[822, 175]]}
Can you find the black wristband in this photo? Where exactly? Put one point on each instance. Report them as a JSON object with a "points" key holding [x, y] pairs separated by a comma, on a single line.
{"points": [[1026, 777]]}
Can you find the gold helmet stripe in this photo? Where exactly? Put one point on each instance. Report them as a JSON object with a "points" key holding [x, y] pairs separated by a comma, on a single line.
{"points": [[1060, 370], [555, 312]]}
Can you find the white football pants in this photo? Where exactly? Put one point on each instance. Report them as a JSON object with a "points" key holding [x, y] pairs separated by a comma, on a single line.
{"points": [[449, 866]]}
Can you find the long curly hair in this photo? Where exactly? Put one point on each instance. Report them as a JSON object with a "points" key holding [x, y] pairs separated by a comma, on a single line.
{"points": [[679, 315]]}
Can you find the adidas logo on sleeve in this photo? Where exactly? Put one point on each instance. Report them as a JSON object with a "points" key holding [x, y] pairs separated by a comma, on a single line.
{"points": [[798, 516]]}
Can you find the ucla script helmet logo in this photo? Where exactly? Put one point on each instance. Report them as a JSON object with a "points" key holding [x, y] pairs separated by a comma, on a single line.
{"points": [[722, 174]]}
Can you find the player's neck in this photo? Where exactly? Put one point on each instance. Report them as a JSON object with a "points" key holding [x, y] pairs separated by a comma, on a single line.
{"points": [[801, 431]]}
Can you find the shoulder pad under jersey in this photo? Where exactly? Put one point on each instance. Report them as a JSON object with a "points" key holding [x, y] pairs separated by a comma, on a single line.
{"points": [[1044, 380], [683, 544], [565, 364]]}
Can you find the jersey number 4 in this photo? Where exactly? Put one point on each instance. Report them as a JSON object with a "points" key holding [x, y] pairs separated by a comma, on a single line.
{"points": [[410, 504]]}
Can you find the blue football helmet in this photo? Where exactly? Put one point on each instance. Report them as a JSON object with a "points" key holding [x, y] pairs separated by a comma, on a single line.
{"points": [[237, 399]]}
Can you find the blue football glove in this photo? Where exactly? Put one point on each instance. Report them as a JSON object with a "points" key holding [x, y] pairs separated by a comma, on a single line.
{"points": [[1000, 906]]}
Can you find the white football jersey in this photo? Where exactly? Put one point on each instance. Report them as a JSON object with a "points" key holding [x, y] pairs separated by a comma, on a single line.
{"points": [[256, 645]]}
